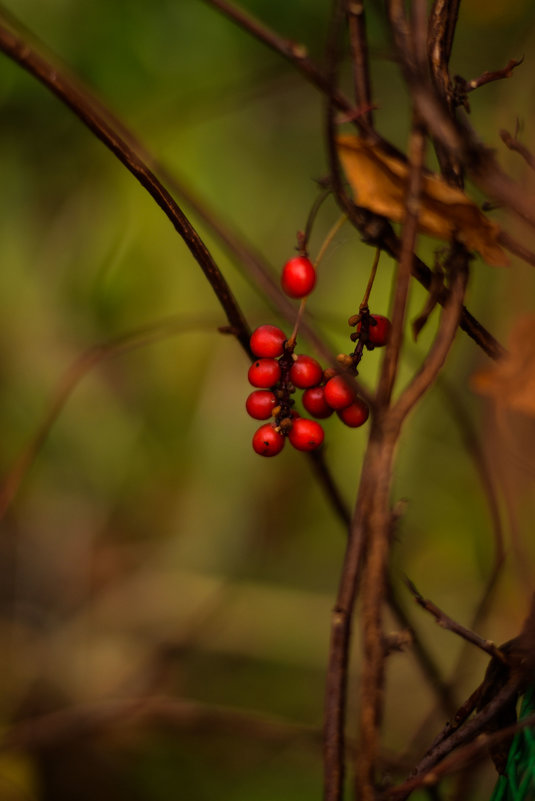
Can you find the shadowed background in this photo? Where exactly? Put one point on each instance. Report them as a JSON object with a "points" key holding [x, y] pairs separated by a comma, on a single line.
{"points": [[149, 551]]}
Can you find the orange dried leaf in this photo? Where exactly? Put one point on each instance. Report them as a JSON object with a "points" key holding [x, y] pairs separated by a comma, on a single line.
{"points": [[379, 183], [511, 380]]}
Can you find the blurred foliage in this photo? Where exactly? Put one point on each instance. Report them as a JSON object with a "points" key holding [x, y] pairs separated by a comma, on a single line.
{"points": [[146, 519]]}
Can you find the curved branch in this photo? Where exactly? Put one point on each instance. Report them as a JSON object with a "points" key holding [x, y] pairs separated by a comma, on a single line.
{"points": [[67, 90]]}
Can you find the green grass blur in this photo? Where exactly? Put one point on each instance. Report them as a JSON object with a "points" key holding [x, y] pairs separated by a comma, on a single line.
{"points": [[146, 525]]}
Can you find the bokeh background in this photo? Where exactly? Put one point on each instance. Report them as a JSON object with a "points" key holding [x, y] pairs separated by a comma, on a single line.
{"points": [[149, 552]]}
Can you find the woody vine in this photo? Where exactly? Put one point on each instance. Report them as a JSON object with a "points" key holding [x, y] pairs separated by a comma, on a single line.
{"points": [[375, 185]]}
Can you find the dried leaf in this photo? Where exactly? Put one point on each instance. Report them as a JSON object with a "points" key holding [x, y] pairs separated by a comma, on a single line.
{"points": [[511, 380], [379, 183]]}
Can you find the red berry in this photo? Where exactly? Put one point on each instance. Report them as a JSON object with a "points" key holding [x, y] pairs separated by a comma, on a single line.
{"points": [[264, 373], [260, 403], [267, 441], [338, 393], [315, 403], [298, 277], [267, 341], [354, 415], [305, 372], [378, 331], [306, 435]]}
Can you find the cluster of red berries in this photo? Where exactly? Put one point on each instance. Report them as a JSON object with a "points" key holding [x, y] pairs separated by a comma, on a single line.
{"points": [[278, 372]]}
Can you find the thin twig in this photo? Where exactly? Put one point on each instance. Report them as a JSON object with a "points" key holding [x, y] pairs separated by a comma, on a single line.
{"points": [[462, 758], [442, 689], [142, 165], [295, 53], [375, 230], [371, 279], [446, 622], [408, 240], [68, 92], [512, 143], [61, 726], [358, 42], [443, 341], [78, 370], [490, 76], [442, 23], [337, 670]]}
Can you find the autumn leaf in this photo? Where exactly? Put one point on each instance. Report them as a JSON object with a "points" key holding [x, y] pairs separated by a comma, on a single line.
{"points": [[379, 183], [511, 380]]}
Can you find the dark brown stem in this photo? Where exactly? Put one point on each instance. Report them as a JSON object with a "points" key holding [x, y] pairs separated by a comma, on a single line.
{"points": [[356, 23], [463, 757], [449, 624], [442, 24], [441, 688], [408, 240], [140, 163], [67, 91], [294, 53], [461, 736], [375, 230], [443, 341], [512, 143], [488, 77]]}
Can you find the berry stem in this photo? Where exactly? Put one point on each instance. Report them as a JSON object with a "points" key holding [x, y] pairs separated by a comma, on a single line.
{"points": [[303, 243], [300, 312], [326, 242], [329, 238], [371, 279]]}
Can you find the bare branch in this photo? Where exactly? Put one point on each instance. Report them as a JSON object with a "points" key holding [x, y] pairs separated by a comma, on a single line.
{"points": [[513, 144], [441, 346], [448, 623], [462, 758], [356, 23], [488, 77], [69, 93]]}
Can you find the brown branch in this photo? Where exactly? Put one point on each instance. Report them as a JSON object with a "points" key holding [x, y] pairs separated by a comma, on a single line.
{"points": [[462, 758], [443, 341], [375, 230], [80, 368], [488, 77], [142, 165], [296, 54], [338, 661], [442, 23], [73, 722], [59, 83], [513, 144], [406, 256], [426, 662], [380, 450], [458, 737], [358, 42], [449, 624]]}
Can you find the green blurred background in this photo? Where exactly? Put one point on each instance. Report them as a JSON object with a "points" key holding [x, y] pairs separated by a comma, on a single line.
{"points": [[149, 549]]}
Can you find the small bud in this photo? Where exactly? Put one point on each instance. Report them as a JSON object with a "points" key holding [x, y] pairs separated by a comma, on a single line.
{"points": [[344, 359]]}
